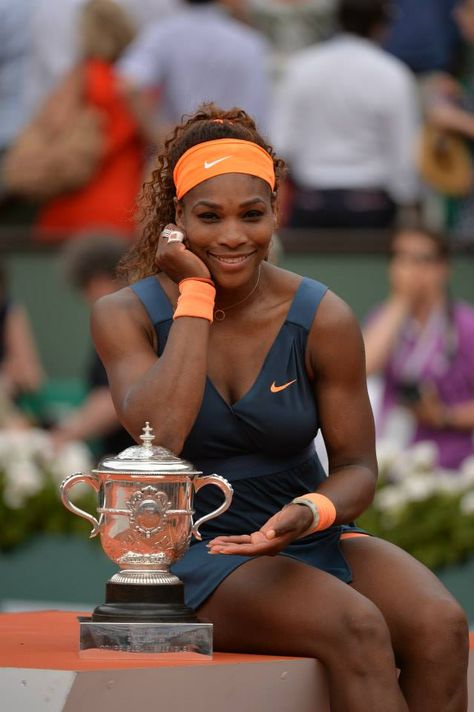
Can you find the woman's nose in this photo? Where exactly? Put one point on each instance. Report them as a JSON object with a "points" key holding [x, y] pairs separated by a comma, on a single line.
{"points": [[232, 235]]}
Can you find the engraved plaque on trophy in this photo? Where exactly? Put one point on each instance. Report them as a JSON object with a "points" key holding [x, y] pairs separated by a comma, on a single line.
{"points": [[145, 522]]}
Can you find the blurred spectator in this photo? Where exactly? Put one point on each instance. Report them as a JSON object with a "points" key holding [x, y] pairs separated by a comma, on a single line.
{"points": [[53, 54], [15, 39], [450, 107], [422, 343], [200, 54], [14, 43], [20, 366], [290, 26], [89, 264], [107, 200], [346, 121], [424, 35]]}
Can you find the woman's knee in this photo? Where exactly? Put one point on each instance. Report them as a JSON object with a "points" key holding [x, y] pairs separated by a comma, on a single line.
{"points": [[440, 630], [363, 638]]}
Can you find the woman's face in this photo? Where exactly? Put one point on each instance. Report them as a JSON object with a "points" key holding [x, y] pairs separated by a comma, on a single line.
{"points": [[416, 266], [229, 221]]}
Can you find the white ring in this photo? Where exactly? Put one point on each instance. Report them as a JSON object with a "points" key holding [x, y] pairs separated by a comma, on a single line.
{"points": [[173, 235]]}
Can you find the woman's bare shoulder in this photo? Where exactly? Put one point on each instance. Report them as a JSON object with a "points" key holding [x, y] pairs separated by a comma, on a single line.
{"points": [[120, 311], [334, 314], [335, 338], [282, 282], [123, 301]]}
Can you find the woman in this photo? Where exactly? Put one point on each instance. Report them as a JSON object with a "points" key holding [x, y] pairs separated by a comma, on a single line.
{"points": [[423, 344], [237, 378], [108, 199]]}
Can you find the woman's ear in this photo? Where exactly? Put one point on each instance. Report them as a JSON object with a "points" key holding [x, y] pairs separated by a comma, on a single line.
{"points": [[275, 209], [178, 213]]}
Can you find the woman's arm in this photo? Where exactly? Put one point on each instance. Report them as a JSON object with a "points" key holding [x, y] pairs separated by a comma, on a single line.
{"points": [[165, 391], [338, 363], [430, 410], [450, 117], [381, 332], [442, 95], [22, 368], [460, 416], [95, 418]]}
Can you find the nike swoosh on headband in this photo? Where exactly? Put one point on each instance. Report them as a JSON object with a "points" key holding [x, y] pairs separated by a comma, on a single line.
{"points": [[276, 389], [209, 164]]}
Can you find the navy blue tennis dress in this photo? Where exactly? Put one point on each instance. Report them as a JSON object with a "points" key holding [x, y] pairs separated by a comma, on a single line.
{"points": [[263, 444]]}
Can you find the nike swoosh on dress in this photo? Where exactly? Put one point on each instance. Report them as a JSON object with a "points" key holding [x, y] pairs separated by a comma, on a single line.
{"points": [[276, 389]]}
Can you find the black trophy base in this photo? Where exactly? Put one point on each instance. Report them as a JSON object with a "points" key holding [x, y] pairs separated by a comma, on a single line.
{"points": [[141, 603]]}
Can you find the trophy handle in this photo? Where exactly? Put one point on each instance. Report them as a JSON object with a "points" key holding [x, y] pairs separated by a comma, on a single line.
{"points": [[223, 485], [71, 481]]}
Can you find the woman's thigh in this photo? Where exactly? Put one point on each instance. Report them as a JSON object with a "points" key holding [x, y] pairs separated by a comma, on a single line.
{"points": [[413, 601], [277, 605]]}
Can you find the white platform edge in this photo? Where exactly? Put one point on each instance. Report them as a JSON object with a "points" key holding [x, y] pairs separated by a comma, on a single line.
{"points": [[279, 686]]}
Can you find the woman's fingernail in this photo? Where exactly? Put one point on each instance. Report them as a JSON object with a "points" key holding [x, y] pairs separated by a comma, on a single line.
{"points": [[271, 534]]}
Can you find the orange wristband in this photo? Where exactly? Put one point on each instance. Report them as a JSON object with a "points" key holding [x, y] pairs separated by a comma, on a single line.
{"points": [[324, 511], [196, 299], [206, 280]]}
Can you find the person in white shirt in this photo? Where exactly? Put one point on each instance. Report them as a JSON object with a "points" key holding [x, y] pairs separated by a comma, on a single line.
{"points": [[201, 54], [346, 121]]}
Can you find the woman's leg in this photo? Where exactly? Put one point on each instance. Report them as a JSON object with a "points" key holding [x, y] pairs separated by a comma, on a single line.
{"points": [[279, 606], [428, 627]]}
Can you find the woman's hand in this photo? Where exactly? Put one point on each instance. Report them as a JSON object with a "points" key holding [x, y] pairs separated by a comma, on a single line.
{"points": [[429, 410], [406, 287], [441, 86], [175, 259], [279, 531]]}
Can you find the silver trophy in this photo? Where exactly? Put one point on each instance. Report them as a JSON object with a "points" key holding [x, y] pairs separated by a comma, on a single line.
{"points": [[145, 524]]}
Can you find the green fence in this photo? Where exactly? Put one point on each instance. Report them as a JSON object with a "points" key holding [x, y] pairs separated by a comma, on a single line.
{"points": [[61, 323]]}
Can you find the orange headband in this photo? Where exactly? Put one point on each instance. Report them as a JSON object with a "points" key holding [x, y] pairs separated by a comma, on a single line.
{"points": [[223, 155]]}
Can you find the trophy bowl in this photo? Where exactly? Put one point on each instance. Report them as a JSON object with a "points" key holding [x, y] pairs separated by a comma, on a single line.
{"points": [[145, 522]]}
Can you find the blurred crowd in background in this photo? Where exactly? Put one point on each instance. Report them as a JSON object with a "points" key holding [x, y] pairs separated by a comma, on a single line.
{"points": [[370, 103]]}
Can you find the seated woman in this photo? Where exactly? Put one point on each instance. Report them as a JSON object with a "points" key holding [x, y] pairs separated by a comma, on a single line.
{"points": [[237, 364], [422, 343]]}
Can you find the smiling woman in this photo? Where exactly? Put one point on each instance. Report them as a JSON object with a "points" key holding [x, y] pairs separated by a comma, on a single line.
{"points": [[237, 364]]}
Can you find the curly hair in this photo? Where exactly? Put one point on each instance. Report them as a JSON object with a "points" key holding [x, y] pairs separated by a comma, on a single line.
{"points": [[156, 202]]}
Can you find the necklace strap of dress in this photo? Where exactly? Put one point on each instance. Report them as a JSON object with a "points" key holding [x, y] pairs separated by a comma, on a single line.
{"points": [[154, 299], [306, 302]]}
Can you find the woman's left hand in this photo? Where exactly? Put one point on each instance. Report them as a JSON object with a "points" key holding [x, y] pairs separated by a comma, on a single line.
{"points": [[429, 410], [279, 531]]}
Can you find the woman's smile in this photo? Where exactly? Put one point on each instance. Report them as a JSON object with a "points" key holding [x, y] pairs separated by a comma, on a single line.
{"points": [[230, 260]]}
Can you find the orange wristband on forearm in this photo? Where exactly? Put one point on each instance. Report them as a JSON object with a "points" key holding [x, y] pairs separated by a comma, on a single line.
{"points": [[196, 298], [324, 511]]}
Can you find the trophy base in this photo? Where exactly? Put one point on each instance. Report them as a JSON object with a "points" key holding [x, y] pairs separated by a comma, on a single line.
{"points": [[150, 619], [161, 641], [136, 603]]}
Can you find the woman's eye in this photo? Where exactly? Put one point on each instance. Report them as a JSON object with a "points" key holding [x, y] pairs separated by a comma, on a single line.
{"points": [[208, 216], [253, 214]]}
